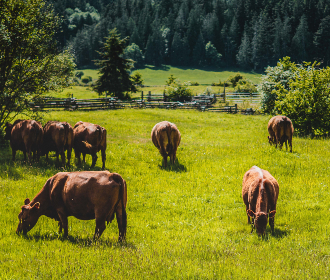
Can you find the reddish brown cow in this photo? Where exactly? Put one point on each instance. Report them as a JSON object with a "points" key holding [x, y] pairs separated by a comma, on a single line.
{"points": [[85, 195], [280, 129], [25, 136], [58, 137], [166, 137], [89, 139], [260, 192]]}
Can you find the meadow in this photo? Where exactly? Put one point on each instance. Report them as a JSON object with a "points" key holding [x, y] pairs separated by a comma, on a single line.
{"points": [[187, 221]]}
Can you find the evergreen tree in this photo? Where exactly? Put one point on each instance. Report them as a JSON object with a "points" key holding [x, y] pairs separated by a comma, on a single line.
{"points": [[322, 41], [244, 52], [199, 51], [301, 41], [114, 69], [212, 57]]}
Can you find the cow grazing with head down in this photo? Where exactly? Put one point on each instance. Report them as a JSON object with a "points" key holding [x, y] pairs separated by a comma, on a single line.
{"points": [[166, 137], [89, 139], [58, 137], [25, 136], [280, 129], [260, 192], [85, 195]]}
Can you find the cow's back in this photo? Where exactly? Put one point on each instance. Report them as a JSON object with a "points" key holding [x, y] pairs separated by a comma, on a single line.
{"points": [[84, 193], [26, 133]]}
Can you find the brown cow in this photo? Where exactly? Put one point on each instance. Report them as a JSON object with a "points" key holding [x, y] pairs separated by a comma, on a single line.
{"points": [[280, 129], [85, 195], [89, 139], [260, 192], [166, 137], [58, 137], [26, 136]]}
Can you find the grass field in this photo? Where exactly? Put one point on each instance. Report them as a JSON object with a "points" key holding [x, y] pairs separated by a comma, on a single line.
{"points": [[184, 222], [158, 76]]}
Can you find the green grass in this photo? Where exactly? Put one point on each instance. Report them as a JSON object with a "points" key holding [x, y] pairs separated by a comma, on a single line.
{"points": [[186, 221], [158, 76]]}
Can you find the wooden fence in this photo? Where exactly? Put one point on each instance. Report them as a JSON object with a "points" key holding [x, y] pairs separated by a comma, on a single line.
{"points": [[238, 97]]}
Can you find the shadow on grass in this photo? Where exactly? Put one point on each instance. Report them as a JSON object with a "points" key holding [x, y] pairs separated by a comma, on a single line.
{"points": [[177, 167], [79, 241], [278, 234]]}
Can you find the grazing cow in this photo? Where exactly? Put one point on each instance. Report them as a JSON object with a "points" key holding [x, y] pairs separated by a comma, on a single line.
{"points": [[260, 193], [280, 129], [89, 139], [25, 136], [166, 137], [85, 195], [58, 137]]}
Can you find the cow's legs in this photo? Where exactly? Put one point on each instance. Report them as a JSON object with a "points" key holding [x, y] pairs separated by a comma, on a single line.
{"points": [[290, 143], [100, 226], [69, 155], [84, 156], [103, 159], [63, 157], [94, 159], [13, 152], [77, 153], [63, 220], [60, 227], [121, 220], [271, 223]]}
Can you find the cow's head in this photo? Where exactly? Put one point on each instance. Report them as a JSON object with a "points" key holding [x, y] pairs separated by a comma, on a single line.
{"points": [[260, 220], [8, 129], [28, 216]]}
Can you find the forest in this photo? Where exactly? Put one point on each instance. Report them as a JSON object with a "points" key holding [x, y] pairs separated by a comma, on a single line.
{"points": [[249, 34]]}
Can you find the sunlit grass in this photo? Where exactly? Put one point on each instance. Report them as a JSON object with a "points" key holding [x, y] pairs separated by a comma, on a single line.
{"points": [[186, 221]]}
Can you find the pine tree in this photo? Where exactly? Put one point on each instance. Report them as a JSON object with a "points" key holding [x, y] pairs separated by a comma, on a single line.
{"points": [[199, 51], [301, 41], [244, 52], [114, 69], [322, 41]]}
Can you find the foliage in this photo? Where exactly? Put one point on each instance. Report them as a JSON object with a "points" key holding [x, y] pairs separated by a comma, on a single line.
{"points": [[86, 79], [233, 80], [276, 77], [184, 222], [306, 100], [177, 91], [114, 69], [136, 78], [212, 57], [245, 85], [171, 80], [134, 53], [30, 65], [79, 74]]}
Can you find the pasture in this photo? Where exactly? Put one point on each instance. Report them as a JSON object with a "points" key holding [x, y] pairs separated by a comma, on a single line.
{"points": [[186, 221]]}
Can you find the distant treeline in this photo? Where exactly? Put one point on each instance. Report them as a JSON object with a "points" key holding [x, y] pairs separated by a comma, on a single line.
{"points": [[251, 34]]}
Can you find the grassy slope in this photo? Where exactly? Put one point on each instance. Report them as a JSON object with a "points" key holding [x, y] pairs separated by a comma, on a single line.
{"points": [[187, 221]]}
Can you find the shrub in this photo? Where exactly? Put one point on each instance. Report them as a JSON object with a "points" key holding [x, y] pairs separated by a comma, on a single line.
{"points": [[86, 79], [306, 100], [245, 86], [178, 91], [79, 74], [171, 80], [137, 79], [233, 80]]}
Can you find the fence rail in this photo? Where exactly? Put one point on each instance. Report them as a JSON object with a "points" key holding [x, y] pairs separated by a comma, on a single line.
{"points": [[202, 103]]}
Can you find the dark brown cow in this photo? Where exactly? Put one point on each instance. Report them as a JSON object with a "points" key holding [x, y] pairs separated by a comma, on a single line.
{"points": [[260, 192], [25, 136], [58, 137], [280, 129], [89, 139], [85, 195], [166, 137]]}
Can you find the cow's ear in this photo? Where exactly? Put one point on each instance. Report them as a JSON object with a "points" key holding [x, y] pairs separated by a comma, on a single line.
{"points": [[36, 205], [250, 213], [26, 201], [271, 214]]}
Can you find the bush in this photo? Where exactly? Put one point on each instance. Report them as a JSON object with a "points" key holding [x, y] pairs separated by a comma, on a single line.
{"points": [[178, 91], [137, 79], [79, 74], [233, 80], [276, 77], [245, 86], [86, 79], [306, 100]]}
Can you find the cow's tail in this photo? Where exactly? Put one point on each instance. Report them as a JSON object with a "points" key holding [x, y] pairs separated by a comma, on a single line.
{"points": [[123, 198], [169, 148]]}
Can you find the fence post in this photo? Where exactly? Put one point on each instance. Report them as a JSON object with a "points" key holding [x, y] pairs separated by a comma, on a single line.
{"points": [[235, 108], [149, 96], [224, 93], [251, 95], [142, 95], [164, 97]]}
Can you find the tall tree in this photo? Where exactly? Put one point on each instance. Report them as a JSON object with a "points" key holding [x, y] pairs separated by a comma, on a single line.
{"points": [[114, 69], [30, 65], [301, 41], [322, 41]]}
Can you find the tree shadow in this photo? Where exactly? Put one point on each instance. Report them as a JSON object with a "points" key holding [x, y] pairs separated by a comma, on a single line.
{"points": [[77, 240], [177, 167]]}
